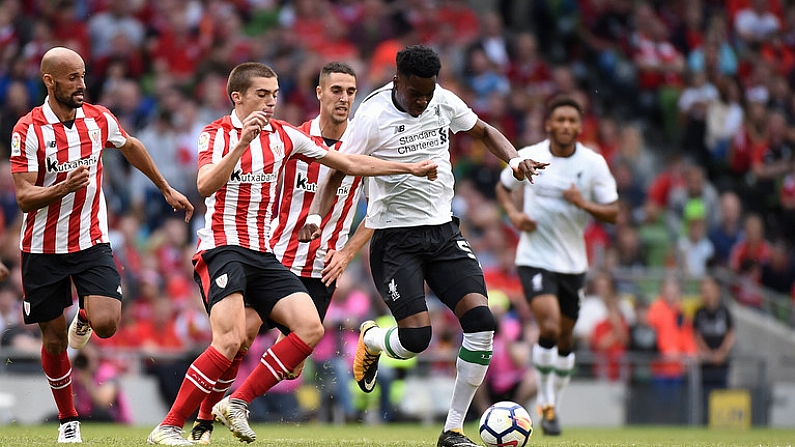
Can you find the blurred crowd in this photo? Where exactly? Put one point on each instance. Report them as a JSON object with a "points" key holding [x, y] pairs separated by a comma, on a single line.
{"points": [[690, 101]]}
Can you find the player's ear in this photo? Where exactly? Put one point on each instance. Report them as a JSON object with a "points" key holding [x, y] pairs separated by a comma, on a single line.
{"points": [[236, 99], [318, 92]]}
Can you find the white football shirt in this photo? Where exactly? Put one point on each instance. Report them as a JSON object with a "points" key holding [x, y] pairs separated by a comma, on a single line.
{"points": [[558, 243], [381, 130]]}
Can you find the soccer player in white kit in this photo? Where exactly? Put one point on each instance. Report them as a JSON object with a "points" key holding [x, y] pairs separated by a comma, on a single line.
{"points": [[551, 255], [416, 238]]}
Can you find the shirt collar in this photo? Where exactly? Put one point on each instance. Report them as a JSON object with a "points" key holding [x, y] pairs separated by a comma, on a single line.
{"points": [[50, 115], [239, 124]]}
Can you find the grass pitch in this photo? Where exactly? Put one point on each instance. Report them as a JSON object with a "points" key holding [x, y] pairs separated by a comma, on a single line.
{"points": [[408, 435]]}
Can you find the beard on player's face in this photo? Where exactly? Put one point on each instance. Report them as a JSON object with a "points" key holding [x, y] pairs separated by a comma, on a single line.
{"points": [[69, 99]]}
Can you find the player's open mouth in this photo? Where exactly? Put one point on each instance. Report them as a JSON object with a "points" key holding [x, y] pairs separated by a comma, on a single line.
{"points": [[78, 96]]}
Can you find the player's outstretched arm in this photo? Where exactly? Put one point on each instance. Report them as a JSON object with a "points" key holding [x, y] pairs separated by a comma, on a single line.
{"points": [[499, 145], [367, 166], [135, 152], [31, 197]]}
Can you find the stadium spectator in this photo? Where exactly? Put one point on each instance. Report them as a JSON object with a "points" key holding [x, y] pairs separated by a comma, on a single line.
{"points": [[778, 272], [99, 396], [694, 249], [725, 234], [752, 250], [80, 253], [610, 337], [713, 327], [675, 342]]}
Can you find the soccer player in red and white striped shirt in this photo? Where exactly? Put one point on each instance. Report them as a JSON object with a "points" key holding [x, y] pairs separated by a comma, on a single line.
{"points": [[319, 263], [241, 162], [56, 163]]}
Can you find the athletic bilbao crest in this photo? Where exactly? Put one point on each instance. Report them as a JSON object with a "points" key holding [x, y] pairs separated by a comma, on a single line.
{"points": [[94, 135], [222, 280]]}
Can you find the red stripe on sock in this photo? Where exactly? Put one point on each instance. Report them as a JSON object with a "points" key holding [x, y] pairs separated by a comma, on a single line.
{"points": [[58, 371], [283, 357], [197, 384]]}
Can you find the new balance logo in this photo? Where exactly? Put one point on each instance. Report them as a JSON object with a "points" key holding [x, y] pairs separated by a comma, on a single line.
{"points": [[392, 290], [52, 144], [400, 128]]}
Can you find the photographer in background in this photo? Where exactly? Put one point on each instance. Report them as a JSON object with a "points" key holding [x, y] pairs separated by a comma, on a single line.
{"points": [[98, 393]]}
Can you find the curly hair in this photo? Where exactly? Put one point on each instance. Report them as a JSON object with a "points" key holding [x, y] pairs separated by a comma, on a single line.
{"points": [[418, 60]]}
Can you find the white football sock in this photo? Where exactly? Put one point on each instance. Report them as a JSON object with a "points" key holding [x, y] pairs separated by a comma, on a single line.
{"points": [[544, 363], [471, 366], [564, 367]]}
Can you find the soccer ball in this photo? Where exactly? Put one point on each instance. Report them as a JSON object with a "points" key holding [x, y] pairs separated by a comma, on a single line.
{"points": [[505, 424]]}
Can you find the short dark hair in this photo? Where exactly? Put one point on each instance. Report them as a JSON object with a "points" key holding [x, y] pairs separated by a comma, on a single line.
{"points": [[418, 60], [563, 101], [337, 67], [240, 79]]}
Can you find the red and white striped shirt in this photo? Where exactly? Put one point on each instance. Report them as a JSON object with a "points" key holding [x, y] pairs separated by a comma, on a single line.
{"points": [[41, 143], [301, 181], [240, 212]]}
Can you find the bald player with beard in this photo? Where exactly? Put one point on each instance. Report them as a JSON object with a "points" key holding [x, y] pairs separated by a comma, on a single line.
{"points": [[56, 163]]}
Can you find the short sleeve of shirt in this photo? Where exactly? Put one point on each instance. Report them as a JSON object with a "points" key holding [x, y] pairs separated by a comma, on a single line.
{"points": [[117, 137], [304, 145], [604, 186], [24, 148], [211, 142], [463, 116]]}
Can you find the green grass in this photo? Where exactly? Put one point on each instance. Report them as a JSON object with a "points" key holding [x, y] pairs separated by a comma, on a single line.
{"points": [[408, 435]]}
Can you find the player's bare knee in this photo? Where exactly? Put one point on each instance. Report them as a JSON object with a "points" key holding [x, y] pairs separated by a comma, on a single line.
{"points": [[310, 333], [107, 330], [54, 346], [549, 329]]}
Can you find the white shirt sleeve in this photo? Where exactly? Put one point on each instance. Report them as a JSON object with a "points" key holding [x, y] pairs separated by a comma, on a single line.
{"points": [[303, 144], [508, 180], [115, 135], [463, 116], [604, 186]]}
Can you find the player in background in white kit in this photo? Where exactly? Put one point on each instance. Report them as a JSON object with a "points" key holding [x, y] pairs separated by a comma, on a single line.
{"points": [[416, 237], [551, 255]]}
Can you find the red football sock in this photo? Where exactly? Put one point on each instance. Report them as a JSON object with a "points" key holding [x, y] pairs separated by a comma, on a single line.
{"points": [[58, 371], [277, 361], [199, 381], [221, 386]]}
